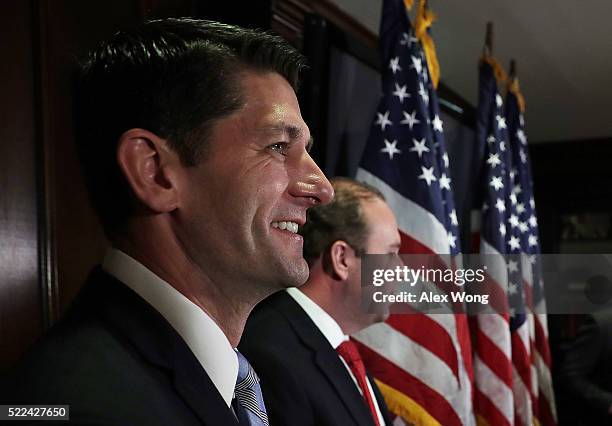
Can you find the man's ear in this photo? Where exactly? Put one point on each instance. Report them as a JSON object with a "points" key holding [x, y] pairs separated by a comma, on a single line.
{"points": [[149, 166], [339, 259]]}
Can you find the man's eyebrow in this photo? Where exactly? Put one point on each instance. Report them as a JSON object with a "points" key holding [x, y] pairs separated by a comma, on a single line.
{"points": [[293, 132]]}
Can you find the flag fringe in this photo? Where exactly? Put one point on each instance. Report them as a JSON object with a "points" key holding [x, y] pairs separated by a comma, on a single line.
{"points": [[424, 19], [405, 407], [514, 88], [500, 74]]}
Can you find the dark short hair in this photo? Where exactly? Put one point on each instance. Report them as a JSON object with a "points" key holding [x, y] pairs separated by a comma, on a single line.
{"points": [[174, 78], [342, 219]]}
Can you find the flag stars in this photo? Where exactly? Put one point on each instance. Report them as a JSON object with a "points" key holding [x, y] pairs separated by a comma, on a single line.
{"points": [[423, 93], [513, 173], [453, 218], [533, 221], [517, 189], [532, 240], [408, 40], [416, 64], [512, 266], [427, 175], [520, 208], [391, 149], [532, 203], [523, 227], [494, 160], [514, 221], [452, 240], [445, 160], [496, 182], [502, 229], [383, 120], [502, 146], [491, 139], [401, 93], [394, 65], [498, 100], [501, 122], [514, 243], [512, 289], [513, 199], [419, 147], [500, 205], [520, 134], [437, 123], [445, 182], [410, 119], [523, 156]]}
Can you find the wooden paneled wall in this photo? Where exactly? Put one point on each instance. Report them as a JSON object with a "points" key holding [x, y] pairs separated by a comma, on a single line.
{"points": [[49, 236]]}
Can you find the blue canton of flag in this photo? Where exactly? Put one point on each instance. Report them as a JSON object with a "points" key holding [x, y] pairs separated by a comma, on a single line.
{"points": [[523, 190], [406, 143], [499, 208], [541, 382]]}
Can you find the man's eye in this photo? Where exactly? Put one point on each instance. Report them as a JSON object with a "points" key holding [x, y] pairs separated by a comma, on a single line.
{"points": [[280, 147]]}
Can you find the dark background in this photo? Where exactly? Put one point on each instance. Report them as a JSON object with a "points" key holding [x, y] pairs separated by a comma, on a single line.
{"points": [[49, 237]]}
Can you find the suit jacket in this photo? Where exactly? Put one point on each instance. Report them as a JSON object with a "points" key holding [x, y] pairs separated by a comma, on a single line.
{"points": [[303, 380], [116, 361], [586, 370]]}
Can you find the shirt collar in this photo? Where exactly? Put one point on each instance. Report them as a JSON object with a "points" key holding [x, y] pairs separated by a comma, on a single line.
{"points": [[324, 322], [202, 335]]}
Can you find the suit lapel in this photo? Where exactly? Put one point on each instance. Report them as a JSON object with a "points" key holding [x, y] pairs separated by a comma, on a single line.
{"points": [[160, 344], [326, 359], [380, 399]]}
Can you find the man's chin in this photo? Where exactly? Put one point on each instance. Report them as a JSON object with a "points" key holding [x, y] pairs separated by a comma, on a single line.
{"points": [[295, 275], [300, 274]]}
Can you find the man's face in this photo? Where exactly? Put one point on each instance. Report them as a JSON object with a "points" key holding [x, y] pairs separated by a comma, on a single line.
{"points": [[256, 178], [383, 238]]}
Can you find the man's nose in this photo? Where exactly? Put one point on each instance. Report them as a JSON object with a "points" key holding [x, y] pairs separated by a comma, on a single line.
{"points": [[311, 183]]}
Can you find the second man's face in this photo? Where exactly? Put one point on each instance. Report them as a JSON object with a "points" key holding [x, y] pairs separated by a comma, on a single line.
{"points": [[382, 238], [250, 193]]}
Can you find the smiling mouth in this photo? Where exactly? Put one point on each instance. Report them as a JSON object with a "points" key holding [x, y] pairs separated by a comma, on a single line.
{"points": [[287, 226]]}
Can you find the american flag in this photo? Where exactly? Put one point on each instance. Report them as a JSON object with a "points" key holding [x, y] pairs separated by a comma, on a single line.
{"points": [[493, 370], [541, 383], [422, 362]]}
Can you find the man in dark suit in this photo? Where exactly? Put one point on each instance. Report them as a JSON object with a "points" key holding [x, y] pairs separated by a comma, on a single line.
{"points": [[298, 340], [196, 158]]}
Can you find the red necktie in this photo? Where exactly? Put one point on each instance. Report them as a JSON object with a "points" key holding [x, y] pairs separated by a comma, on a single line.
{"points": [[348, 351]]}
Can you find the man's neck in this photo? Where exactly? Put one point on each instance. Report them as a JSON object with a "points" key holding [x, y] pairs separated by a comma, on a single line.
{"points": [[226, 306]]}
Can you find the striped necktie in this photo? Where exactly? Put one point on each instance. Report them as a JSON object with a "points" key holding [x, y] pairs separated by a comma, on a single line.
{"points": [[248, 402]]}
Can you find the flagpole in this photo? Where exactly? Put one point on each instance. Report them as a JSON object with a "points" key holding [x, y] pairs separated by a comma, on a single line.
{"points": [[488, 46], [512, 69]]}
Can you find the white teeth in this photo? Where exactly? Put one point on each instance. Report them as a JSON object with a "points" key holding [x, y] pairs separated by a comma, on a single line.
{"points": [[288, 226]]}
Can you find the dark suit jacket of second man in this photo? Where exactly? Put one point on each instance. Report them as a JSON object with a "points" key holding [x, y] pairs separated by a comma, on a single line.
{"points": [[303, 379]]}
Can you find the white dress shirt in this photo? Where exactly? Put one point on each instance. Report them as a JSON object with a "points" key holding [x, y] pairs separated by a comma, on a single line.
{"points": [[334, 335], [201, 333]]}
